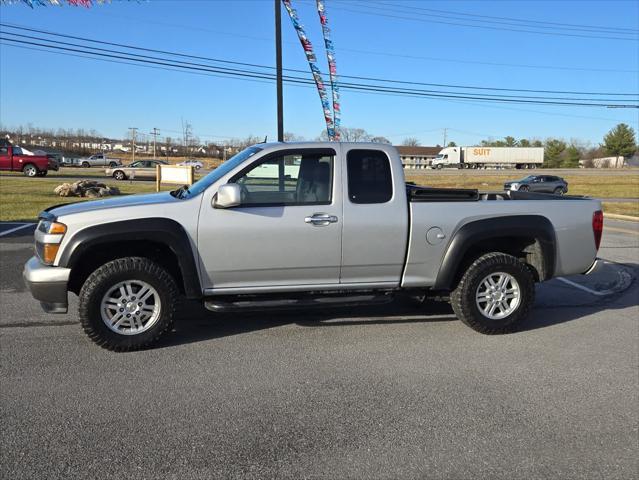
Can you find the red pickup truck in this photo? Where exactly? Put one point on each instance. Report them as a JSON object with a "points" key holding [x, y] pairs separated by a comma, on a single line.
{"points": [[13, 159]]}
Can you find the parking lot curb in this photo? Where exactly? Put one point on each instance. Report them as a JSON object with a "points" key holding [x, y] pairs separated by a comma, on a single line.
{"points": [[616, 216]]}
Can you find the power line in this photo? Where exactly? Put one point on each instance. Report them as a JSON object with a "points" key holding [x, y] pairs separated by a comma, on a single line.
{"points": [[352, 86], [463, 102], [368, 11], [498, 20], [377, 52], [599, 27], [132, 47]]}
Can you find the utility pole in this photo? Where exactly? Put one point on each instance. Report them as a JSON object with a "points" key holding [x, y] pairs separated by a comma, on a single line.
{"points": [[155, 134], [278, 65], [445, 132], [134, 132]]}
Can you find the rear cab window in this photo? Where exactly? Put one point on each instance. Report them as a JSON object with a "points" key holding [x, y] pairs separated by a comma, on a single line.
{"points": [[369, 176]]}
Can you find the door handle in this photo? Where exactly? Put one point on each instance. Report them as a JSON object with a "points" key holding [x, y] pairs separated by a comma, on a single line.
{"points": [[320, 219]]}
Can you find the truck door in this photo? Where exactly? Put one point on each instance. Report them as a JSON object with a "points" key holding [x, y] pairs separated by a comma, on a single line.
{"points": [[5, 158], [375, 227], [287, 232]]}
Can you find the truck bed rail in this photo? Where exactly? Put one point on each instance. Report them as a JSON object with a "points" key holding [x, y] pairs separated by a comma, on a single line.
{"points": [[428, 194]]}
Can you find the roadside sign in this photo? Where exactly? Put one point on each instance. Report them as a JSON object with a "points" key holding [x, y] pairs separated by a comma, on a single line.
{"points": [[173, 175]]}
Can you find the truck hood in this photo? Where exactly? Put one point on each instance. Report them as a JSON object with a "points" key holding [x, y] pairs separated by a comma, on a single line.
{"points": [[113, 202]]}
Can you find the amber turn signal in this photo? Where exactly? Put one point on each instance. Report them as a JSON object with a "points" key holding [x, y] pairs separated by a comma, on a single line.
{"points": [[57, 228], [49, 252]]}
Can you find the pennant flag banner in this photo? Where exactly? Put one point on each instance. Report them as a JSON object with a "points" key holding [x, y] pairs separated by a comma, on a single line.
{"points": [[332, 67], [57, 3], [312, 63]]}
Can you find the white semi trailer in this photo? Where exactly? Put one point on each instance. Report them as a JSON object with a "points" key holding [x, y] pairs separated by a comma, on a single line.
{"points": [[484, 157]]}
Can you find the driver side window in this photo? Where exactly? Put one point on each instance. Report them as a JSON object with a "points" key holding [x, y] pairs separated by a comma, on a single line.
{"points": [[295, 178]]}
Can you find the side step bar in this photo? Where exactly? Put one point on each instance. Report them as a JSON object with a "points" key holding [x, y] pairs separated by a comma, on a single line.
{"points": [[256, 302]]}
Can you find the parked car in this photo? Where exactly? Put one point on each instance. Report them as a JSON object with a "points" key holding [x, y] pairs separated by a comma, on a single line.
{"points": [[137, 169], [191, 163], [339, 226], [539, 184], [12, 158], [99, 160]]}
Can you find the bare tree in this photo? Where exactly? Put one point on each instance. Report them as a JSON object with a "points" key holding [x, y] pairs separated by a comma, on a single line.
{"points": [[293, 137], [410, 142]]}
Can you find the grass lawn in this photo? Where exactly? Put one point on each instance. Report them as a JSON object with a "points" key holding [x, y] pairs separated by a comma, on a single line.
{"points": [[21, 198], [622, 208]]}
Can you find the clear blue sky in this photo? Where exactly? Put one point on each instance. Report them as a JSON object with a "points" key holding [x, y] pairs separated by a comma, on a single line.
{"points": [[50, 90]]}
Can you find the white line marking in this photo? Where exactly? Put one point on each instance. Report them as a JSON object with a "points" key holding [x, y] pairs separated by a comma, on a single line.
{"points": [[586, 289], [11, 230]]}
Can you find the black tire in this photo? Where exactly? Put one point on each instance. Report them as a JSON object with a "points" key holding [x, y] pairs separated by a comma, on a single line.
{"points": [[85, 165], [105, 278], [119, 175], [463, 298], [30, 170], [559, 191], [113, 164], [439, 166], [524, 188]]}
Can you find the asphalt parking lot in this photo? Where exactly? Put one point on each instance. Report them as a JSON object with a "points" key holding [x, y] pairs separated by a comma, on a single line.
{"points": [[403, 391]]}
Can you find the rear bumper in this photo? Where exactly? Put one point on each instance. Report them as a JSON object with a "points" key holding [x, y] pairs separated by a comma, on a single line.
{"points": [[48, 285], [595, 267]]}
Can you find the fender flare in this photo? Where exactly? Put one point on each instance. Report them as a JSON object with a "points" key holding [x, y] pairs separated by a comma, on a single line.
{"points": [[536, 226], [158, 230]]}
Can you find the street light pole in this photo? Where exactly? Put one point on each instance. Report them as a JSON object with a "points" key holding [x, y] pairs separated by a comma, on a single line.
{"points": [[278, 64]]}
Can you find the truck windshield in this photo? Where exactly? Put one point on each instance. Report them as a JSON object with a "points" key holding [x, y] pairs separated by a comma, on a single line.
{"points": [[208, 180]]}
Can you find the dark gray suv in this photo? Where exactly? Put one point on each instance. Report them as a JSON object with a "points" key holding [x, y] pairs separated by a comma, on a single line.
{"points": [[540, 184]]}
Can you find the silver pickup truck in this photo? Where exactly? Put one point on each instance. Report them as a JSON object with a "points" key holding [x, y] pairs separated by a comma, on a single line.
{"points": [[99, 160], [305, 224]]}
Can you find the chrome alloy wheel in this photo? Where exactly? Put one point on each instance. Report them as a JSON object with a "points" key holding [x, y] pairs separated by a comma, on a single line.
{"points": [[498, 295], [130, 307]]}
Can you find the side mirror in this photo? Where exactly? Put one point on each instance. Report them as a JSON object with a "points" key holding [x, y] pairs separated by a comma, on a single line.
{"points": [[228, 195]]}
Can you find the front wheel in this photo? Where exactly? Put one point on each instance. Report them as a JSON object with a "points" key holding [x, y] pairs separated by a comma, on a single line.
{"points": [[30, 170], [127, 304], [495, 294], [119, 175], [559, 191], [524, 188]]}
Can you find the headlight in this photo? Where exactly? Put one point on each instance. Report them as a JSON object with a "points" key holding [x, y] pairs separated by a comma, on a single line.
{"points": [[48, 237]]}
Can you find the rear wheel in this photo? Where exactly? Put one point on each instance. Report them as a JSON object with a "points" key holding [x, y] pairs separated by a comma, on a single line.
{"points": [[113, 164], [495, 294], [85, 165], [127, 304], [30, 170]]}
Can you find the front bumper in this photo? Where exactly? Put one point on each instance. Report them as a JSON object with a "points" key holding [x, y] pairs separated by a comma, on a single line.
{"points": [[48, 285]]}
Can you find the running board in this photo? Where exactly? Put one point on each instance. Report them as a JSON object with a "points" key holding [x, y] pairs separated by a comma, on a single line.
{"points": [[248, 303]]}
